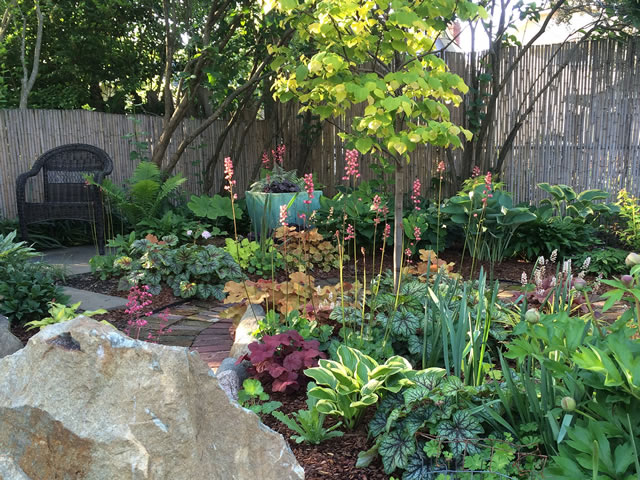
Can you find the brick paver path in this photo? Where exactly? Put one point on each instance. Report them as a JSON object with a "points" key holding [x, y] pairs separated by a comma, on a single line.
{"points": [[197, 326]]}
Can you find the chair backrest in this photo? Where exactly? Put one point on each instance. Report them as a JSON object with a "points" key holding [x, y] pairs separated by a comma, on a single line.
{"points": [[64, 169]]}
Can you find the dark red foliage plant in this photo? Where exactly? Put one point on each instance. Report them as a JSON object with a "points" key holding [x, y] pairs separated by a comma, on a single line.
{"points": [[282, 358]]}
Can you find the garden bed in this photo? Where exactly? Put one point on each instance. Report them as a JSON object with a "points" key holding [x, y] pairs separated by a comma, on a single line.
{"points": [[334, 459]]}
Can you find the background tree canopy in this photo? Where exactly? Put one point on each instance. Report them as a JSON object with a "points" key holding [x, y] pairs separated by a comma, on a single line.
{"points": [[94, 52]]}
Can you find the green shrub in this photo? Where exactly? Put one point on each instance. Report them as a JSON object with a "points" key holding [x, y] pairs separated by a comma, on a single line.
{"points": [[27, 285], [629, 231], [190, 270], [254, 257], [566, 222], [606, 261]]}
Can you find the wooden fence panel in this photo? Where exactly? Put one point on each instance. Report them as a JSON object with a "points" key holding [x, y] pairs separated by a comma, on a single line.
{"points": [[584, 131]]}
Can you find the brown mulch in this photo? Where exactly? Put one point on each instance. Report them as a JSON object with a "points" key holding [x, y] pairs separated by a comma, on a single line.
{"points": [[509, 271], [334, 459], [92, 283]]}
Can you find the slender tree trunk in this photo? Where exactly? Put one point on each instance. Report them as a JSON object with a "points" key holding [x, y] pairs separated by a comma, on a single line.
{"points": [[6, 19], [168, 52], [29, 79], [398, 227]]}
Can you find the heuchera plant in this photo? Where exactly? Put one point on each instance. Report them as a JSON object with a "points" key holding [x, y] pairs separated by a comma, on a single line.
{"points": [[283, 357]]}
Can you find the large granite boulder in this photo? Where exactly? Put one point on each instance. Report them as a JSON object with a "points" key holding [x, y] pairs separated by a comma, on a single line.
{"points": [[9, 343], [83, 401]]}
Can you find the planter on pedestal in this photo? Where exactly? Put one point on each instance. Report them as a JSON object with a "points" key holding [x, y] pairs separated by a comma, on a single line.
{"points": [[264, 208]]}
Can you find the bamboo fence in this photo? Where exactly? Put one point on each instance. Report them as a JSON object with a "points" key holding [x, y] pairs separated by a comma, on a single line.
{"points": [[584, 131]]}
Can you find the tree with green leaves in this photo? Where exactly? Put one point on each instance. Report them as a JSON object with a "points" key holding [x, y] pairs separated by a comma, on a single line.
{"points": [[69, 54], [490, 74], [227, 59], [382, 57]]}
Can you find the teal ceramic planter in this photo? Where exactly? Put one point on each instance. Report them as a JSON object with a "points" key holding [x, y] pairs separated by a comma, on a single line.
{"points": [[264, 208]]}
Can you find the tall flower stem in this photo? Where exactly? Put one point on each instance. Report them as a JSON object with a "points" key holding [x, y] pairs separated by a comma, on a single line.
{"points": [[228, 170], [438, 226]]}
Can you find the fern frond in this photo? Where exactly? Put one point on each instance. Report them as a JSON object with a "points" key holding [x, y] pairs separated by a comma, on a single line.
{"points": [[146, 171]]}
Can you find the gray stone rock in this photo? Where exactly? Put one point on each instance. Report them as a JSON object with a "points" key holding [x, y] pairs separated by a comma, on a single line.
{"points": [[229, 382], [248, 324], [4, 322], [9, 470], [9, 343], [82, 400], [230, 364]]}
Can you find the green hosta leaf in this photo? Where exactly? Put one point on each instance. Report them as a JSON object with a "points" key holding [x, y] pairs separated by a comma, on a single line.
{"points": [[366, 457], [395, 449], [460, 432], [322, 376], [404, 323]]}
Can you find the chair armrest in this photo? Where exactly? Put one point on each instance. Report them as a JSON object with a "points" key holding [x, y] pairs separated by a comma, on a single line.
{"points": [[21, 183]]}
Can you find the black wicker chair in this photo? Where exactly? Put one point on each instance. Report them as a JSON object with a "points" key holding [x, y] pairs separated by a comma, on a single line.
{"points": [[66, 194]]}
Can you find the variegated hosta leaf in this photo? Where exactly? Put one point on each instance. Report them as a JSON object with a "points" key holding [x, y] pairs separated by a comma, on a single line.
{"points": [[460, 433], [395, 449]]}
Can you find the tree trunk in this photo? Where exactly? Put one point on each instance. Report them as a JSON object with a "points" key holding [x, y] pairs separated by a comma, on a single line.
{"points": [[29, 79], [398, 227]]}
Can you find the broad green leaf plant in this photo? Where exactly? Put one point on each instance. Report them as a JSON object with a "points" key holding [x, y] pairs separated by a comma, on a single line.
{"points": [[346, 387], [381, 57]]}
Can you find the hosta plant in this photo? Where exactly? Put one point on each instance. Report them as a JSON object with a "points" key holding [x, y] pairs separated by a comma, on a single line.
{"points": [[59, 313], [26, 286], [309, 424], [190, 270], [282, 358], [348, 385]]}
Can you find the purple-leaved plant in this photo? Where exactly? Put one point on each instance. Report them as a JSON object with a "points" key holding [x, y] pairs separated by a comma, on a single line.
{"points": [[282, 358]]}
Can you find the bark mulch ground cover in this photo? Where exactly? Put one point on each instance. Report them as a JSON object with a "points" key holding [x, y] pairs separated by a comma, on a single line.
{"points": [[334, 459]]}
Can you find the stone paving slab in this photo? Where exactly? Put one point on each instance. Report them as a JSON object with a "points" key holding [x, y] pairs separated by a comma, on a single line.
{"points": [[94, 301]]}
